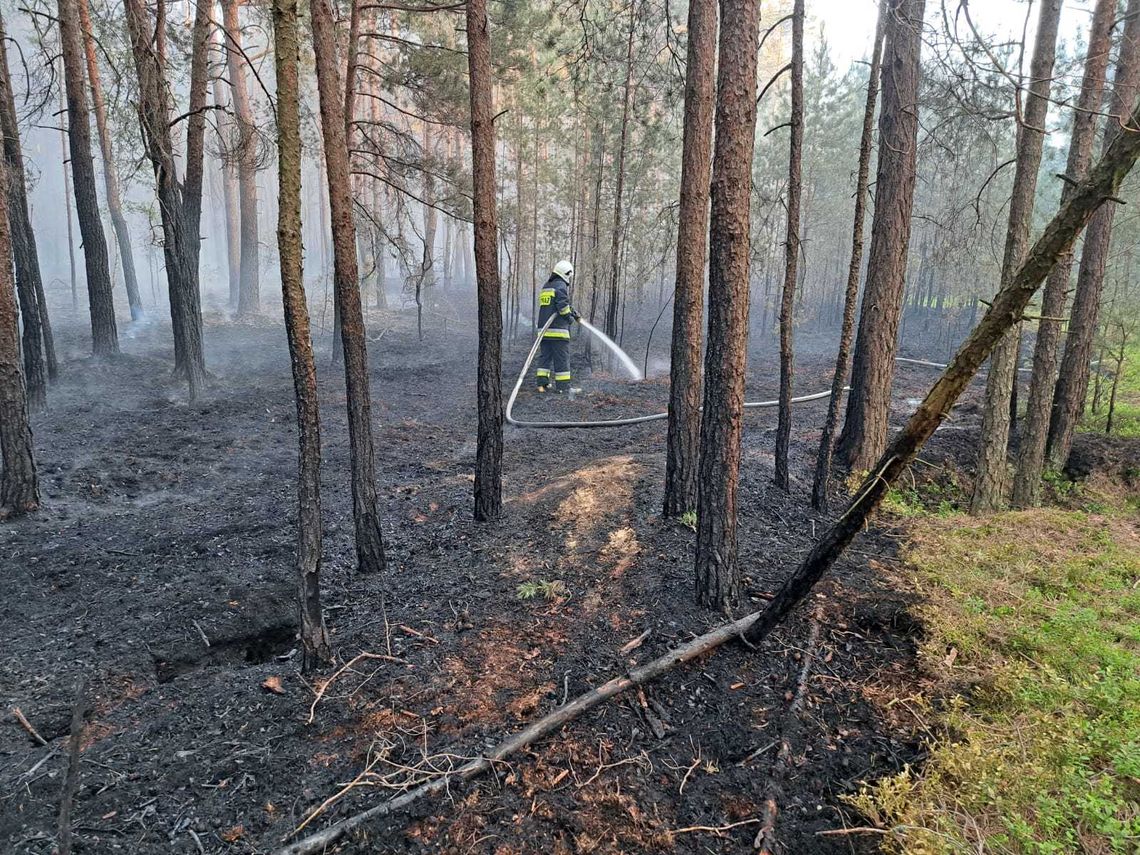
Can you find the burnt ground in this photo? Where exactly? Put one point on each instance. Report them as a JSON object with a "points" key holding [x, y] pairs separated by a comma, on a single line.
{"points": [[160, 572]]}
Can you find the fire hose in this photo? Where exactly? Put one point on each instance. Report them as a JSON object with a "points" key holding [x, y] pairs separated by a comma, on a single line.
{"points": [[608, 423]]}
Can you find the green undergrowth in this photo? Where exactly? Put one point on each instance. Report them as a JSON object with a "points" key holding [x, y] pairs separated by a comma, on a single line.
{"points": [[1126, 413], [1032, 643]]}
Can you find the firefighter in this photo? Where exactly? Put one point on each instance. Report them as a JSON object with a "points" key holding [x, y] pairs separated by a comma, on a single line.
{"points": [[554, 357]]}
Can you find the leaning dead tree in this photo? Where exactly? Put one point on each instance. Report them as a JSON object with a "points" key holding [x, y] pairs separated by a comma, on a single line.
{"points": [[1006, 310]]}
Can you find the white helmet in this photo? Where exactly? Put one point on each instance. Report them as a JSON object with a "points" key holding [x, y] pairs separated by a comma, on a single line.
{"points": [[564, 270]]}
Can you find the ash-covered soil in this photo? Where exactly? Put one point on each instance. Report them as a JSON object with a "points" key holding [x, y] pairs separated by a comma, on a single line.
{"points": [[159, 575]]}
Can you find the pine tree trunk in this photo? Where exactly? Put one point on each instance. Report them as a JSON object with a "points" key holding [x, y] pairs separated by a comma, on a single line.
{"points": [[684, 432], [67, 205], [346, 287], [864, 434], [791, 249], [181, 262], [249, 289], [19, 486], [110, 170], [489, 449], [29, 284], [619, 187], [992, 467], [196, 144], [717, 574], [854, 267], [1073, 381], [228, 146], [104, 335], [314, 636], [427, 263]]}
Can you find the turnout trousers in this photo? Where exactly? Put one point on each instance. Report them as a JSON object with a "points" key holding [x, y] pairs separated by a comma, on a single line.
{"points": [[554, 362]]}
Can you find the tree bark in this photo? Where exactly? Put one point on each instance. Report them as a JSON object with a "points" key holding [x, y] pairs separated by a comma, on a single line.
{"points": [[1073, 381], [19, 485], [196, 136], [864, 432], [227, 138], [248, 293], [992, 471], [854, 267], [684, 430], [619, 187], [29, 283], [104, 335], [110, 170], [791, 249], [181, 260], [1035, 431], [314, 636], [1008, 306], [489, 448], [346, 288], [427, 262], [717, 574]]}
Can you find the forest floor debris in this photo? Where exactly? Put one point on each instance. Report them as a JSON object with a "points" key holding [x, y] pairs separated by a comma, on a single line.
{"points": [[191, 529]]}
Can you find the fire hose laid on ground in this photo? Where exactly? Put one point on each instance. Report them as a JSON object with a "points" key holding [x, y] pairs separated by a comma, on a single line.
{"points": [[608, 423]]}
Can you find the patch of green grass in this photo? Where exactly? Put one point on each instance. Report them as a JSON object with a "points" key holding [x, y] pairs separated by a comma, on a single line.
{"points": [[689, 520], [541, 588], [1039, 749], [1126, 414]]}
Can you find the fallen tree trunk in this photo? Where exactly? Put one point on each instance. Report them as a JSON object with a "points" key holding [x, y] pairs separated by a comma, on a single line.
{"points": [[543, 727], [1102, 184]]}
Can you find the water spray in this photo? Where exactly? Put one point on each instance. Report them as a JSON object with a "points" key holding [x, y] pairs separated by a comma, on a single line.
{"points": [[632, 368]]}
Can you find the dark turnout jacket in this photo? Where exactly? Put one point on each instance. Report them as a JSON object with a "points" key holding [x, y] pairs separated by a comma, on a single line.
{"points": [[554, 299]]}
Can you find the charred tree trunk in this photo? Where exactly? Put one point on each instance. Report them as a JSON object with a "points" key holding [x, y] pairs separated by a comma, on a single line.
{"points": [[181, 261], [851, 295], [717, 574], [992, 467], [619, 187], [791, 249], [314, 636], [110, 170], [684, 431], [1103, 182], [1073, 381], [249, 290], [346, 287], [104, 335], [29, 284], [864, 434], [19, 486], [489, 449], [67, 206]]}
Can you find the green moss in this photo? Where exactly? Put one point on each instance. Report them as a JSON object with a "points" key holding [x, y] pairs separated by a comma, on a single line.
{"points": [[1041, 755]]}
